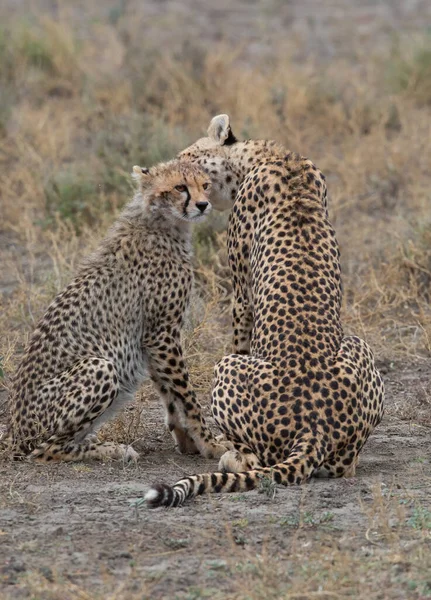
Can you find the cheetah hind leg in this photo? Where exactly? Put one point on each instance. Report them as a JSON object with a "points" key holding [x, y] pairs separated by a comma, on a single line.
{"points": [[59, 448], [332, 469], [73, 438], [355, 360]]}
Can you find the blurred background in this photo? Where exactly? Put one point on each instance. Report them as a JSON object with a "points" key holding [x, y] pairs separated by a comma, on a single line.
{"points": [[88, 89]]}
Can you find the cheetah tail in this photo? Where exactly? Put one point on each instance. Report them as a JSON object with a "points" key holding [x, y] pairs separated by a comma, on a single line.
{"points": [[165, 495], [303, 459]]}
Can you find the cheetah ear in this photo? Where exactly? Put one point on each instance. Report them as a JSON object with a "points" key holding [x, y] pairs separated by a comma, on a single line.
{"points": [[141, 175], [220, 131]]}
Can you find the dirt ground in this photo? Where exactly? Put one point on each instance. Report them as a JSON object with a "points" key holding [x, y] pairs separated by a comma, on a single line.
{"points": [[77, 527]]}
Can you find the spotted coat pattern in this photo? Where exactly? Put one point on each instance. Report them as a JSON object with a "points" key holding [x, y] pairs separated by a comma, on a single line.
{"points": [[296, 398], [115, 324]]}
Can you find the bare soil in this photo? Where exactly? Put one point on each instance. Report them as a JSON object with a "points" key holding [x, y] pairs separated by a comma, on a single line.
{"points": [[77, 524]]}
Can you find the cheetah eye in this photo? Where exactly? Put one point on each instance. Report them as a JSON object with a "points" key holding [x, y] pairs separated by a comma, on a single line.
{"points": [[181, 188], [206, 186]]}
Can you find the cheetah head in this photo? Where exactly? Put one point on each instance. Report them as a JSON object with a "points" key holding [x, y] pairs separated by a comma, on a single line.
{"points": [[213, 154], [177, 190]]}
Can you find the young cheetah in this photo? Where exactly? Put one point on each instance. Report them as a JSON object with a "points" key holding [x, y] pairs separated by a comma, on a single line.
{"points": [[117, 322], [296, 398]]}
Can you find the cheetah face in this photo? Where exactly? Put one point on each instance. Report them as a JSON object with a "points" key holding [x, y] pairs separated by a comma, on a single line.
{"points": [[177, 190], [212, 154], [189, 201]]}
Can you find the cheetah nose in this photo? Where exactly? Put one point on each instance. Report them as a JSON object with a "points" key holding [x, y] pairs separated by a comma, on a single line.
{"points": [[201, 206]]}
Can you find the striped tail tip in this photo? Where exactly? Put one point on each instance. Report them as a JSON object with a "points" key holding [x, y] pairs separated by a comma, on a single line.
{"points": [[163, 495], [159, 495]]}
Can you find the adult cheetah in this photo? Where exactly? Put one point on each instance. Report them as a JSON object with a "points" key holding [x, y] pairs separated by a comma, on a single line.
{"points": [[117, 322], [296, 397]]}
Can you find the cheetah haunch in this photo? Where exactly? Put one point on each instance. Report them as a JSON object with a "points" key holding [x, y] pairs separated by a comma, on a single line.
{"points": [[296, 397], [117, 322]]}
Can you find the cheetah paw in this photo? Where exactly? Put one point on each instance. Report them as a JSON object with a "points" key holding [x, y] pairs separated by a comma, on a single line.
{"points": [[234, 461], [223, 441], [218, 448], [130, 455]]}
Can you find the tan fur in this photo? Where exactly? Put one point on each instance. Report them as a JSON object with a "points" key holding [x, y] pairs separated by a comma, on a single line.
{"points": [[296, 397], [115, 324]]}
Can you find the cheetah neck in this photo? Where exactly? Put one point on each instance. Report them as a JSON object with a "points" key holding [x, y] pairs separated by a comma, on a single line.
{"points": [[136, 218], [137, 233], [243, 157]]}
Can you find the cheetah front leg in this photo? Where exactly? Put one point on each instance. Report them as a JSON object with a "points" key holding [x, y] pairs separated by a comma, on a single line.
{"points": [[184, 416], [242, 323], [183, 442]]}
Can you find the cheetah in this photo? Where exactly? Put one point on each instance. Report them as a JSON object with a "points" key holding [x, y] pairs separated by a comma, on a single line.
{"points": [[296, 397], [117, 323]]}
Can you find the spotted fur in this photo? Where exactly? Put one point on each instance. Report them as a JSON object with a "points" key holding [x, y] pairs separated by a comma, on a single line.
{"points": [[115, 324], [296, 397]]}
